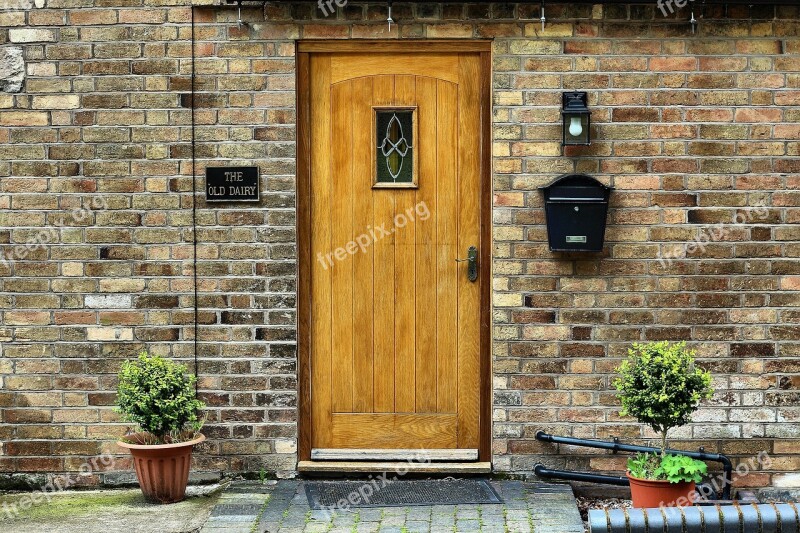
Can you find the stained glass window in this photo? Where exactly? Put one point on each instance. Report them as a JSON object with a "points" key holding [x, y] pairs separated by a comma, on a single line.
{"points": [[395, 135]]}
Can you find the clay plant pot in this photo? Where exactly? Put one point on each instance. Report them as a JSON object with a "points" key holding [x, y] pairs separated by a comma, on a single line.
{"points": [[162, 469], [647, 493]]}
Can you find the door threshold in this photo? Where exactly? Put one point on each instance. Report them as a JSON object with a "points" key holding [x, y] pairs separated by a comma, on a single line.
{"points": [[394, 466], [416, 455]]}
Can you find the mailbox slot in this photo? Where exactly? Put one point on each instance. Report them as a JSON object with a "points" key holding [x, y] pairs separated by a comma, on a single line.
{"points": [[575, 207]]}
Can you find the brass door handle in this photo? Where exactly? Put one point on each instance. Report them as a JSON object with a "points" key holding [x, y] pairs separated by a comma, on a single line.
{"points": [[472, 263]]}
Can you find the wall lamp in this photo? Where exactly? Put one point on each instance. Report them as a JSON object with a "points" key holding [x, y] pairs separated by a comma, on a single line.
{"points": [[576, 119]]}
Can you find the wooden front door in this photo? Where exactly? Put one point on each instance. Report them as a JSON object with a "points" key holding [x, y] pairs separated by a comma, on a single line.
{"points": [[392, 329]]}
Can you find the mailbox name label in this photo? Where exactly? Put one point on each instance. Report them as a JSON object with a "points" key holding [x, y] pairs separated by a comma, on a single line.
{"points": [[576, 238], [232, 184]]}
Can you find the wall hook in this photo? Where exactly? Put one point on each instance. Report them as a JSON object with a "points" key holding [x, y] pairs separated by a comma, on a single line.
{"points": [[693, 21], [389, 18], [239, 21], [542, 18]]}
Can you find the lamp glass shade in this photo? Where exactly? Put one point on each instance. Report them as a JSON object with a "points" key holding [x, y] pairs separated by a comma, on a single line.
{"points": [[576, 128], [575, 119]]}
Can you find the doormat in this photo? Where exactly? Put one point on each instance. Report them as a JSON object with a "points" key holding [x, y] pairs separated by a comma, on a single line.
{"points": [[387, 493]]}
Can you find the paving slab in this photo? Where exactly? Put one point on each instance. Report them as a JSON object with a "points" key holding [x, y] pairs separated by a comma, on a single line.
{"points": [[105, 511], [539, 507]]}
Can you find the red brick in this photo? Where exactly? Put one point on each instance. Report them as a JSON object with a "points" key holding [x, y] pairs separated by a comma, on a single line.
{"points": [[666, 64]]}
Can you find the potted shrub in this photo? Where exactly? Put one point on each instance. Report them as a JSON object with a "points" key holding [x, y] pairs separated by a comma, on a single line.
{"points": [[159, 396], [660, 386]]}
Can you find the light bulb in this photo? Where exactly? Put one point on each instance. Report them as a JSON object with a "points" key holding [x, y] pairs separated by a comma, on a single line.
{"points": [[575, 127]]}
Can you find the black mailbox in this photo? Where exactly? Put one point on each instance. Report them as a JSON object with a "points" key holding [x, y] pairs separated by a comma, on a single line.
{"points": [[575, 206]]}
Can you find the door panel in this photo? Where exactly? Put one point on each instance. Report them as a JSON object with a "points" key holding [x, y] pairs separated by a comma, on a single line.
{"points": [[320, 323], [437, 431], [384, 273], [468, 233], [442, 66], [446, 228], [395, 323], [425, 247], [363, 262], [340, 217]]}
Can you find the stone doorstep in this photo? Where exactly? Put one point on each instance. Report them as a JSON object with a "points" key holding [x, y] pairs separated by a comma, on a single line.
{"points": [[282, 507]]}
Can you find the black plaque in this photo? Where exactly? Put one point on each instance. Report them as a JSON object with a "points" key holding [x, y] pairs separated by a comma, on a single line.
{"points": [[232, 184]]}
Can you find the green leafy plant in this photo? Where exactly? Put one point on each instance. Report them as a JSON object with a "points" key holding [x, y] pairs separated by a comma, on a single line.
{"points": [[644, 465], [677, 468], [158, 395], [670, 467], [660, 386]]}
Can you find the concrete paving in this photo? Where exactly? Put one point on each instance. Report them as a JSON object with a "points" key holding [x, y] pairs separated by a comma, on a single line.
{"points": [[282, 507], [527, 507], [105, 511]]}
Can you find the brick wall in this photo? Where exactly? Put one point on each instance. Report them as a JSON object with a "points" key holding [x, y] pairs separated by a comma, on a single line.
{"points": [[691, 130]]}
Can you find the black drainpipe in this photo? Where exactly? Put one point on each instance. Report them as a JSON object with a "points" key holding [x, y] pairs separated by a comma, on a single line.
{"points": [[542, 471], [539, 469], [194, 216]]}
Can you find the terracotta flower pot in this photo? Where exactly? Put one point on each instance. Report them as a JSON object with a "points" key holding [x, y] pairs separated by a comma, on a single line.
{"points": [[647, 493], [163, 469]]}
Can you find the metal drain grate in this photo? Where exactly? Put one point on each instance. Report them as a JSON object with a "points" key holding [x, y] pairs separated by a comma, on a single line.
{"points": [[380, 493]]}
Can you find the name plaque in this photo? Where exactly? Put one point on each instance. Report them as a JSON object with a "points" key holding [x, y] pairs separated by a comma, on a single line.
{"points": [[232, 184]]}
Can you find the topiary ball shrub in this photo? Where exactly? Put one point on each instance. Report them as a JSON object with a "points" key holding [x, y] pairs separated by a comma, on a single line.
{"points": [[159, 396], [660, 386]]}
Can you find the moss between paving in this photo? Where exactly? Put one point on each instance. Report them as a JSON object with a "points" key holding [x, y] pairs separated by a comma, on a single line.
{"points": [[104, 511]]}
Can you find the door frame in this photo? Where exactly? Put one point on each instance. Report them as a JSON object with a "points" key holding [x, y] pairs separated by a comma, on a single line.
{"points": [[304, 49]]}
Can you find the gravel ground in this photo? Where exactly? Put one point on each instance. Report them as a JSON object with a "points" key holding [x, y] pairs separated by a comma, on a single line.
{"points": [[584, 504]]}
